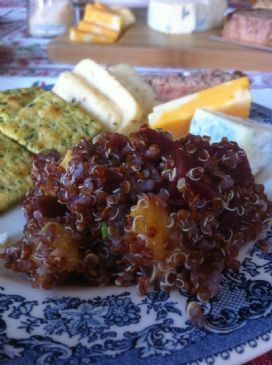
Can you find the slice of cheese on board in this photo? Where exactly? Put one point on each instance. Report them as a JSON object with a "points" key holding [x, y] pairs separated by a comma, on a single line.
{"points": [[104, 18], [85, 26], [98, 77], [74, 89], [231, 97], [101, 6], [254, 137], [128, 18], [77, 35], [101, 24]]}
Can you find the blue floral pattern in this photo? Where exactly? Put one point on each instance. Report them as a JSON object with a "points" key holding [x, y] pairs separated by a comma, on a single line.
{"points": [[122, 312], [260, 113], [114, 328]]}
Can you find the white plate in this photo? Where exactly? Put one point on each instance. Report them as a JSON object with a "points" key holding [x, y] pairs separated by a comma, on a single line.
{"points": [[109, 326]]}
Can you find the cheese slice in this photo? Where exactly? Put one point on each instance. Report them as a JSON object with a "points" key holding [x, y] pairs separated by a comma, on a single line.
{"points": [[128, 18], [98, 77], [232, 98], [104, 18], [138, 88], [97, 30], [254, 137], [74, 89], [126, 14], [101, 6], [77, 35]]}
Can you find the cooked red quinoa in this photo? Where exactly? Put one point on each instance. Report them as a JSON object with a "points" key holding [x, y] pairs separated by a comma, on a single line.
{"points": [[140, 209]]}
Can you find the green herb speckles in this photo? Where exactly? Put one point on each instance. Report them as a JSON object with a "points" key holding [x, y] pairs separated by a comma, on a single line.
{"points": [[50, 123]]}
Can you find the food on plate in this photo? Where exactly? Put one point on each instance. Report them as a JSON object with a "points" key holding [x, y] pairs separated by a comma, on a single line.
{"points": [[254, 137], [142, 208], [102, 24], [265, 177], [103, 81], [3, 239], [49, 122], [185, 16], [76, 90], [136, 86], [250, 26], [175, 116], [11, 101], [15, 167], [262, 4], [172, 86], [102, 96]]}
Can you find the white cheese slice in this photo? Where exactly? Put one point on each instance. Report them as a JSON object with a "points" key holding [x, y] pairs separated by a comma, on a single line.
{"points": [[185, 16], [74, 89], [139, 89], [99, 78], [254, 137]]}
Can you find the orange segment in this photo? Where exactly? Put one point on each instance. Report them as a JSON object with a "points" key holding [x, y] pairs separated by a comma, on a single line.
{"points": [[150, 220]]}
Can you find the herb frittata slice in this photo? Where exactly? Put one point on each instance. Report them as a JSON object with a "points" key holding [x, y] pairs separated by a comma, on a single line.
{"points": [[15, 169], [11, 101], [49, 122]]}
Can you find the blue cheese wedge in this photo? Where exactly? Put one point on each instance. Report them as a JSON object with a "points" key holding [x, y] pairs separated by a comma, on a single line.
{"points": [[265, 177], [185, 16], [3, 239], [254, 137]]}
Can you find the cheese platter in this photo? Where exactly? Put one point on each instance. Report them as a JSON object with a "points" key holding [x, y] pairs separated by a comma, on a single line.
{"points": [[142, 46]]}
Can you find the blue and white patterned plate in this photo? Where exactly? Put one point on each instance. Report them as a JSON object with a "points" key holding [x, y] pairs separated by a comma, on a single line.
{"points": [[109, 326]]}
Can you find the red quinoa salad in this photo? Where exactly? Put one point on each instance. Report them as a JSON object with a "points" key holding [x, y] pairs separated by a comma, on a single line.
{"points": [[140, 209]]}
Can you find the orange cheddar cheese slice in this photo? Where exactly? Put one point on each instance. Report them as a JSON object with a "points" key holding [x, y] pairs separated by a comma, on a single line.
{"points": [[231, 98], [85, 26], [77, 35], [126, 14], [128, 18], [103, 18]]}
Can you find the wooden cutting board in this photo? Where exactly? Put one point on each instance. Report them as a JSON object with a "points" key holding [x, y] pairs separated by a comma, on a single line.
{"points": [[142, 46]]}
